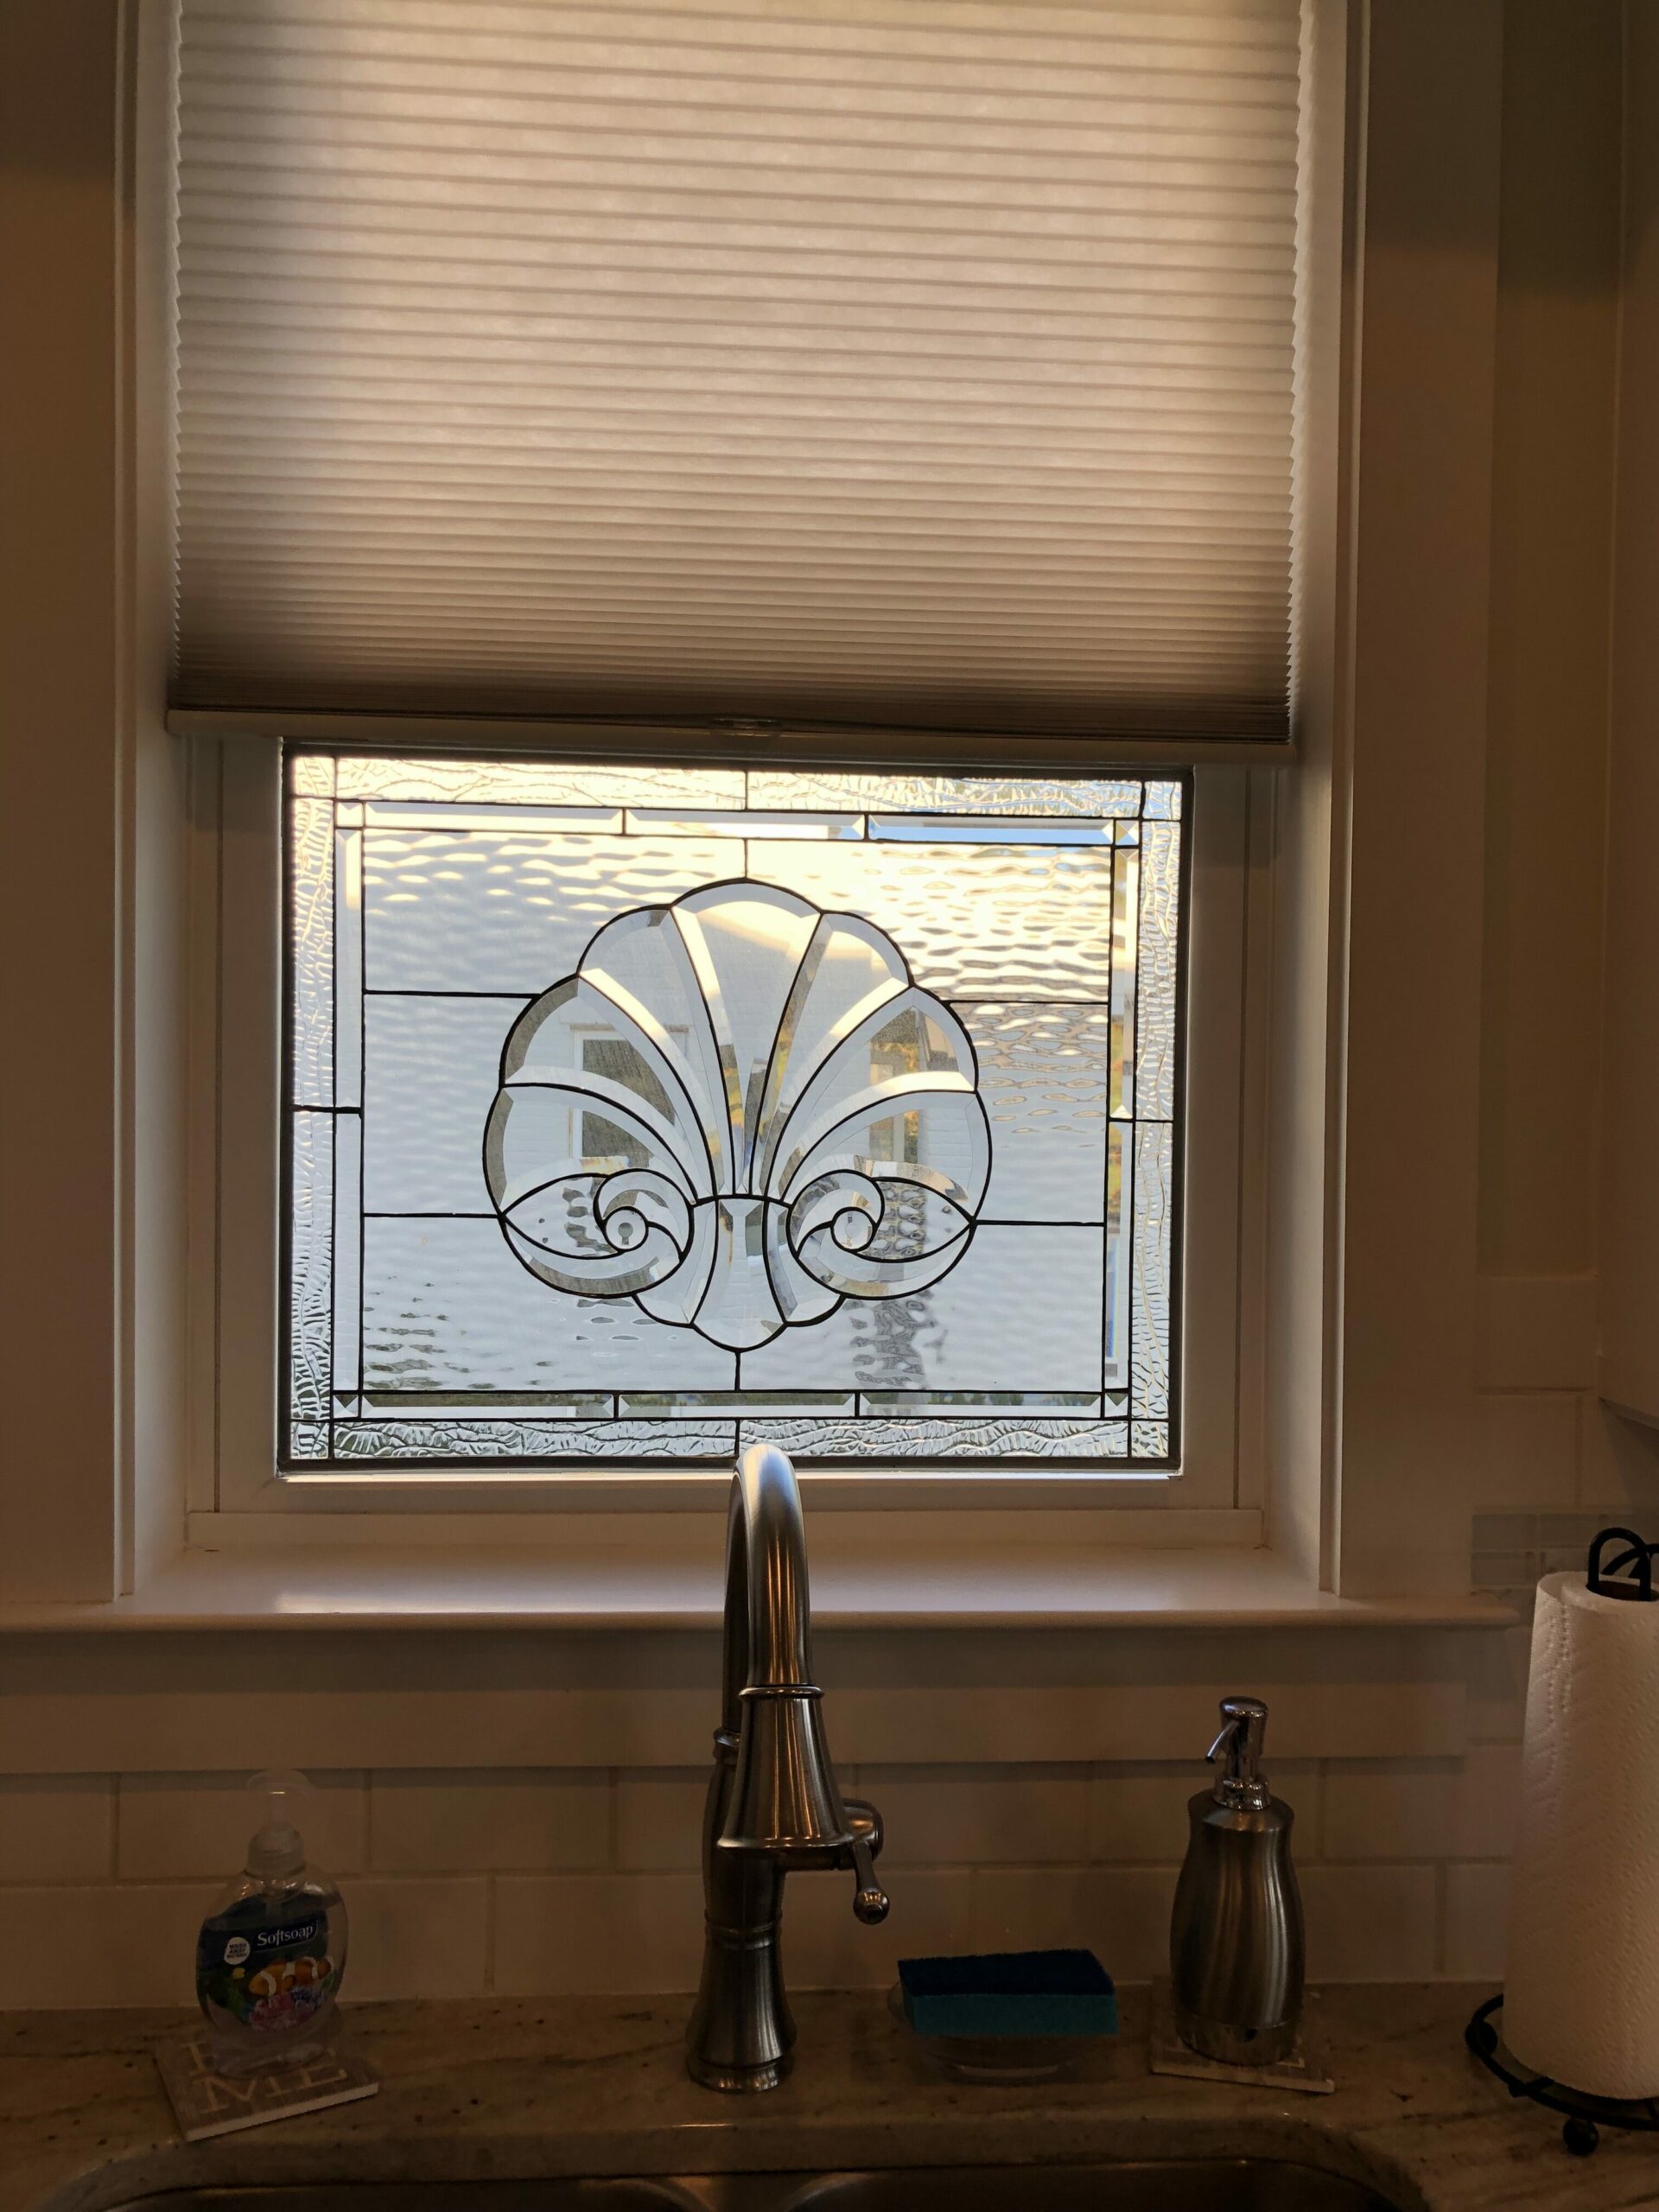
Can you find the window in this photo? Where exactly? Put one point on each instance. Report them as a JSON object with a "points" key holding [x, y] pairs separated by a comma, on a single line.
{"points": [[634, 1111], [308, 386]]}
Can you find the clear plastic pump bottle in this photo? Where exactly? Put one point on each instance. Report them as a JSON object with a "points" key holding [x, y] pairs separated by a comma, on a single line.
{"points": [[272, 1952]]}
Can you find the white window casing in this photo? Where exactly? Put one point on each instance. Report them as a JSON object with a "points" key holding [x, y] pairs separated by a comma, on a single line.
{"points": [[236, 929]]}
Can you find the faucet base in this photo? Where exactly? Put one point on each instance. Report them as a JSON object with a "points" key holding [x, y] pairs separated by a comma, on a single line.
{"points": [[741, 2036], [767, 2076]]}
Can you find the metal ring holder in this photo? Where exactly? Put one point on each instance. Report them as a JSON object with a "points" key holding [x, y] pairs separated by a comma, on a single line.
{"points": [[1585, 2115], [1636, 1554]]}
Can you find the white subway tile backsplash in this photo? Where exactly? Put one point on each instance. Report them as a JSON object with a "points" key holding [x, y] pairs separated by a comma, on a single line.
{"points": [[1427, 1809], [68, 1946], [1370, 1923], [978, 1815], [1138, 1814], [418, 1938], [1497, 1689], [1476, 1922], [571, 1935], [171, 1826], [1119, 1913], [135, 1943], [573, 1879], [659, 1819], [57, 1827], [1387, 1809], [456, 1823], [825, 1947], [1319, 1711]]}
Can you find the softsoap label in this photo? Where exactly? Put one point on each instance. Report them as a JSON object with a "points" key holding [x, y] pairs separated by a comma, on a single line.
{"points": [[267, 1974]]}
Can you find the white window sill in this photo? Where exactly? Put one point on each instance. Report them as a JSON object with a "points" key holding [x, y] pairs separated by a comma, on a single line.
{"points": [[1045, 1581]]}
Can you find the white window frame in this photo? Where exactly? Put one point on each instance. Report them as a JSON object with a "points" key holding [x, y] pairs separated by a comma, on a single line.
{"points": [[235, 933]]}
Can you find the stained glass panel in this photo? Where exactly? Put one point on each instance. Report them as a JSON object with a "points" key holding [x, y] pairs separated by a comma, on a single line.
{"points": [[634, 1112]]}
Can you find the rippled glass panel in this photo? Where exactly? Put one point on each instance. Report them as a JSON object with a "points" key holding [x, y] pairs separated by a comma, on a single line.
{"points": [[633, 1113]]}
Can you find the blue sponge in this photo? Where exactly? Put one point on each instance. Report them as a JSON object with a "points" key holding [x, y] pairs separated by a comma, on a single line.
{"points": [[1010, 1994]]}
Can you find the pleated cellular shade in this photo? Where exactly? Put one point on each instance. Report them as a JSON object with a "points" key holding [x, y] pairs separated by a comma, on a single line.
{"points": [[891, 362]]}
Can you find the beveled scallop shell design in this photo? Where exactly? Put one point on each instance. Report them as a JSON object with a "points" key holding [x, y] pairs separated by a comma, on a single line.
{"points": [[738, 1111]]}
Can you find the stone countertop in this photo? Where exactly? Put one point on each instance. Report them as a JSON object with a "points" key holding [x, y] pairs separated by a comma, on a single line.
{"points": [[522, 2088]]}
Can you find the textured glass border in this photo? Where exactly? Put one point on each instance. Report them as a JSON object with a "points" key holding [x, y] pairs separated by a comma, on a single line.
{"points": [[328, 1420]]}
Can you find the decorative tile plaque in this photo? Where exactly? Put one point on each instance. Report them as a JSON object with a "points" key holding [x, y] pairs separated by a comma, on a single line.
{"points": [[208, 2102]]}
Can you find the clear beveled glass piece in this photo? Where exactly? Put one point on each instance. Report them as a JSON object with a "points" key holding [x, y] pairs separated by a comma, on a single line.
{"points": [[310, 1281], [988, 829], [1155, 1200], [924, 794], [1120, 1269], [311, 951], [1044, 1080], [483, 1441], [1019, 1309], [708, 822], [534, 783], [1126, 944], [431, 1066], [985, 1438], [312, 775], [483, 912], [996, 921], [1155, 1039]]}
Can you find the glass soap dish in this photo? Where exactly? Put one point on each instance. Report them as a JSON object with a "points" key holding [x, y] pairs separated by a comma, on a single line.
{"points": [[993, 2060]]}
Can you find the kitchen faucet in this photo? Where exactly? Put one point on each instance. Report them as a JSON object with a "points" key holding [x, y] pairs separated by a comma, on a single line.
{"points": [[773, 1805]]}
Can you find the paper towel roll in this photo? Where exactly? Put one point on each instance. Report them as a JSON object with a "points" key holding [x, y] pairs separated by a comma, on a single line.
{"points": [[1582, 2001]]}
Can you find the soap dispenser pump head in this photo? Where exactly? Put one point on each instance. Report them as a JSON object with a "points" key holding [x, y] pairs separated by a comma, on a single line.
{"points": [[275, 1848], [1237, 1750]]}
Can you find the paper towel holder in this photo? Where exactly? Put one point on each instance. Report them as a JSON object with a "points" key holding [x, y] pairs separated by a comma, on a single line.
{"points": [[1583, 2116], [1636, 1554]]}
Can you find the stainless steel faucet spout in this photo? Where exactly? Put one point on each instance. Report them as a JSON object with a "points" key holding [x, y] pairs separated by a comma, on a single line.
{"points": [[768, 1611], [773, 1803]]}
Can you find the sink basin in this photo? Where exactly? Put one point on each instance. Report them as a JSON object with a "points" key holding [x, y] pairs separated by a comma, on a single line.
{"points": [[1151, 2185], [558, 2195], [1132, 2185]]}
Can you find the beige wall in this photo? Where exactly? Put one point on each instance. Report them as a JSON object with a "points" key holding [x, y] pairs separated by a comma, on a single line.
{"points": [[1563, 437], [63, 795], [1630, 1221], [1552, 551]]}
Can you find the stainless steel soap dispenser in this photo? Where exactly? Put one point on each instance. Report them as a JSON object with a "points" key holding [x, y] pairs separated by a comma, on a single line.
{"points": [[1236, 1942]]}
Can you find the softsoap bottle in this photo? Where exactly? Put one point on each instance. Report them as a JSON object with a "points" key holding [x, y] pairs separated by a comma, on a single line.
{"points": [[272, 1952]]}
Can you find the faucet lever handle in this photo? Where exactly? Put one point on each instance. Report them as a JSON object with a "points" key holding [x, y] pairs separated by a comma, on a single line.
{"points": [[870, 1898]]}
